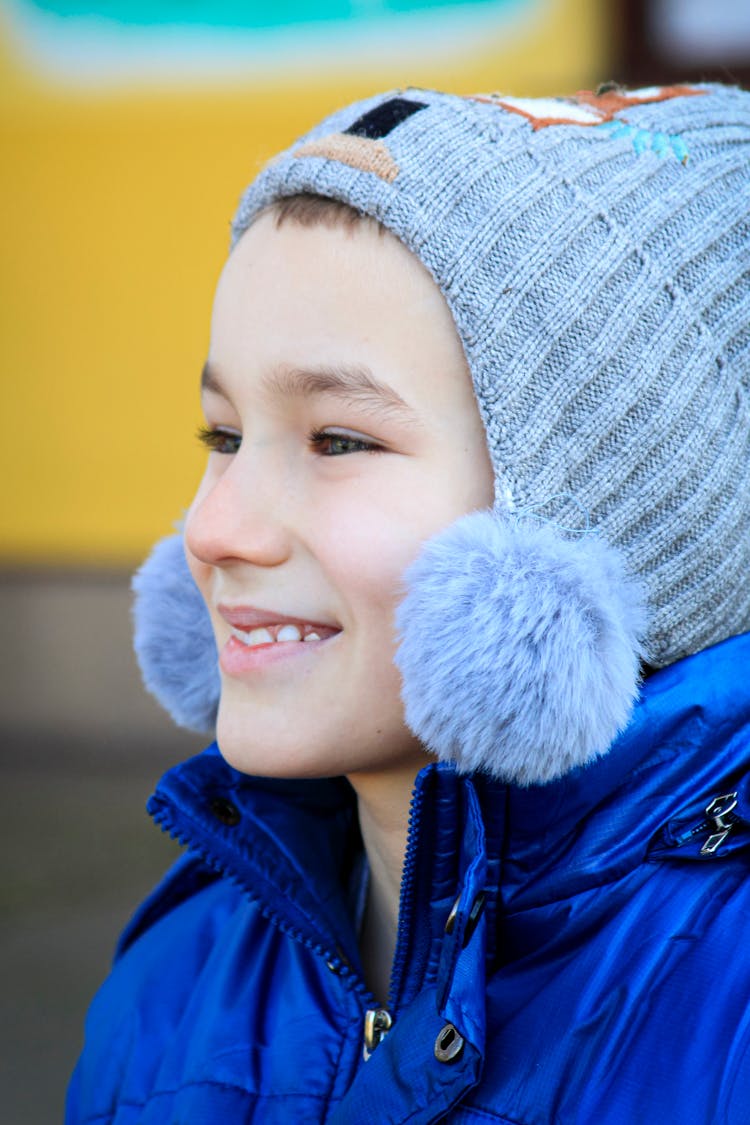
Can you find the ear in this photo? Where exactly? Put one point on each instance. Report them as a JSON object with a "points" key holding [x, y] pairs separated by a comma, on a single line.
{"points": [[519, 648], [173, 638]]}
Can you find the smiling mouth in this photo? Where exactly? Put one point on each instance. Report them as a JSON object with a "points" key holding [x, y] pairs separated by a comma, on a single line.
{"points": [[280, 634]]}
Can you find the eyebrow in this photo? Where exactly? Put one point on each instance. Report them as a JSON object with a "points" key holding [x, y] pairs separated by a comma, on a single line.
{"points": [[353, 384]]}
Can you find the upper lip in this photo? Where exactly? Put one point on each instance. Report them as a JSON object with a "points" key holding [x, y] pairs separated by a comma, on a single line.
{"points": [[248, 617]]}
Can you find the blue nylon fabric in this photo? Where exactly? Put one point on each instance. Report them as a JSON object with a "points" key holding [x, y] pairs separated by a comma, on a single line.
{"points": [[279, 843], [610, 967], [688, 731], [463, 957], [403, 1076], [440, 829]]}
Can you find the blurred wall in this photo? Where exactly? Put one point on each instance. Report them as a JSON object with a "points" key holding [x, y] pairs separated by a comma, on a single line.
{"points": [[126, 142]]}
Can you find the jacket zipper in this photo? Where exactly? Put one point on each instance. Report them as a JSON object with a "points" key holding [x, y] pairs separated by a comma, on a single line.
{"points": [[718, 823], [378, 1019], [333, 959], [378, 1022]]}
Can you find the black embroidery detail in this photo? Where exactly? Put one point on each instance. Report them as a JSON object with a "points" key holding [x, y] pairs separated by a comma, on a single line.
{"points": [[378, 122]]}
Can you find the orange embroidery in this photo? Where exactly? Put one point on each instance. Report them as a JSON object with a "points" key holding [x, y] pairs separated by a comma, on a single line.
{"points": [[358, 152], [585, 107]]}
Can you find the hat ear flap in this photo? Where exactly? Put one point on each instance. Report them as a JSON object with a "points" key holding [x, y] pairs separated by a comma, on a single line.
{"points": [[519, 648], [173, 638]]}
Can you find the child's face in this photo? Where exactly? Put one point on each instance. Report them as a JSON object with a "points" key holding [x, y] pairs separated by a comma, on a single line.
{"points": [[335, 358]]}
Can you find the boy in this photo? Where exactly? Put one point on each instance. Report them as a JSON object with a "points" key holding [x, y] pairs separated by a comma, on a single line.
{"points": [[501, 346]]}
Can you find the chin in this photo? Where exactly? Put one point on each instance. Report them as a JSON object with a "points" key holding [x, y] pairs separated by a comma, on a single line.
{"points": [[265, 755], [262, 751]]}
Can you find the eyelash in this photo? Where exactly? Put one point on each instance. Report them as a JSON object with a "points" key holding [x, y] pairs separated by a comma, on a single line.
{"points": [[319, 438], [217, 440]]}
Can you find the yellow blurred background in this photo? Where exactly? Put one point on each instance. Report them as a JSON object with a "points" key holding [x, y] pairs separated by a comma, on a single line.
{"points": [[114, 219]]}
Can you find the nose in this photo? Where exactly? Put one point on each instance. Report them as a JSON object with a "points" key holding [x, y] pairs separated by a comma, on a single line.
{"points": [[240, 514]]}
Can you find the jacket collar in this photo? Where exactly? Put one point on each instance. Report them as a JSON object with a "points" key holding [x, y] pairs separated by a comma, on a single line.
{"points": [[687, 743], [290, 844]]}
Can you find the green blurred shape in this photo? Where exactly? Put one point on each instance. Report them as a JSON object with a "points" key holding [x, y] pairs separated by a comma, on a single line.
{"points": [[252, 13]]}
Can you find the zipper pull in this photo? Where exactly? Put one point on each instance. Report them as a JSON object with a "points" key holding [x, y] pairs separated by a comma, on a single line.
{"points": [[718, 809], [377, 1025]]}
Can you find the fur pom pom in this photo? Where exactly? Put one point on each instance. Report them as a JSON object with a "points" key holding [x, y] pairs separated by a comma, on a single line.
{"points": [[174, 641], [519, 648]]}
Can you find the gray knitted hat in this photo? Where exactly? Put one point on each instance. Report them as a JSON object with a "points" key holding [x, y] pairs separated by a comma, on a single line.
{"points": [[595, 254]]}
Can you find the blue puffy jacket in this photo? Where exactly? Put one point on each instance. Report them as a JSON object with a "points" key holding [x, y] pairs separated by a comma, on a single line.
{"points": [[596, 970]]}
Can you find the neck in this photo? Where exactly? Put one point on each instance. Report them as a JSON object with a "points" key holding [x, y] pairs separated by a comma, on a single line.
{"points": [[383, 804]]}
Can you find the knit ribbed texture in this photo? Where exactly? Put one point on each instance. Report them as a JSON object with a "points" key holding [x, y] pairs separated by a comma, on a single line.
{"points": [[599, 278]]}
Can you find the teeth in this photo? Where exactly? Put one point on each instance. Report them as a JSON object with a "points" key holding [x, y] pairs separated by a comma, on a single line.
{"points": [[257, 637], [288, 633], [254, 637]]}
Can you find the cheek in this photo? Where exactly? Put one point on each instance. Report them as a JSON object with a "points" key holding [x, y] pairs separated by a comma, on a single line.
{"points": [[367, 543], [366, 565], [376, 534]]}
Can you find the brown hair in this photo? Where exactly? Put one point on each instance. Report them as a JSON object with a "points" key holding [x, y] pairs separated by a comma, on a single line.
{"points": [[309, 210]]}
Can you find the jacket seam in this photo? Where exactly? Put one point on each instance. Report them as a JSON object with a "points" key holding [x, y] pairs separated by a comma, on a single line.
{"points": [[343, 1042]]}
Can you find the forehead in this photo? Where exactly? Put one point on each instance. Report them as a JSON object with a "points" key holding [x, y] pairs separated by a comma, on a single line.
{"points": [[293, 295], [317, 260]]}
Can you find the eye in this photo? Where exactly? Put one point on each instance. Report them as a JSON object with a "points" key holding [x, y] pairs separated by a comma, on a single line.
{"points": [[218, 440], [332, 444]]}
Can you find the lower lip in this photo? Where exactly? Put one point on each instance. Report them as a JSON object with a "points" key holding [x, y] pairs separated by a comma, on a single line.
{"points": [[239, 660]]}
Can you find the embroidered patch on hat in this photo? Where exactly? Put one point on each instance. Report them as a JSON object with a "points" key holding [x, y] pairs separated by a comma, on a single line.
{"points": [[357, 152], [585, 107], [648, 140], [361, 145], [383, 119]]}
